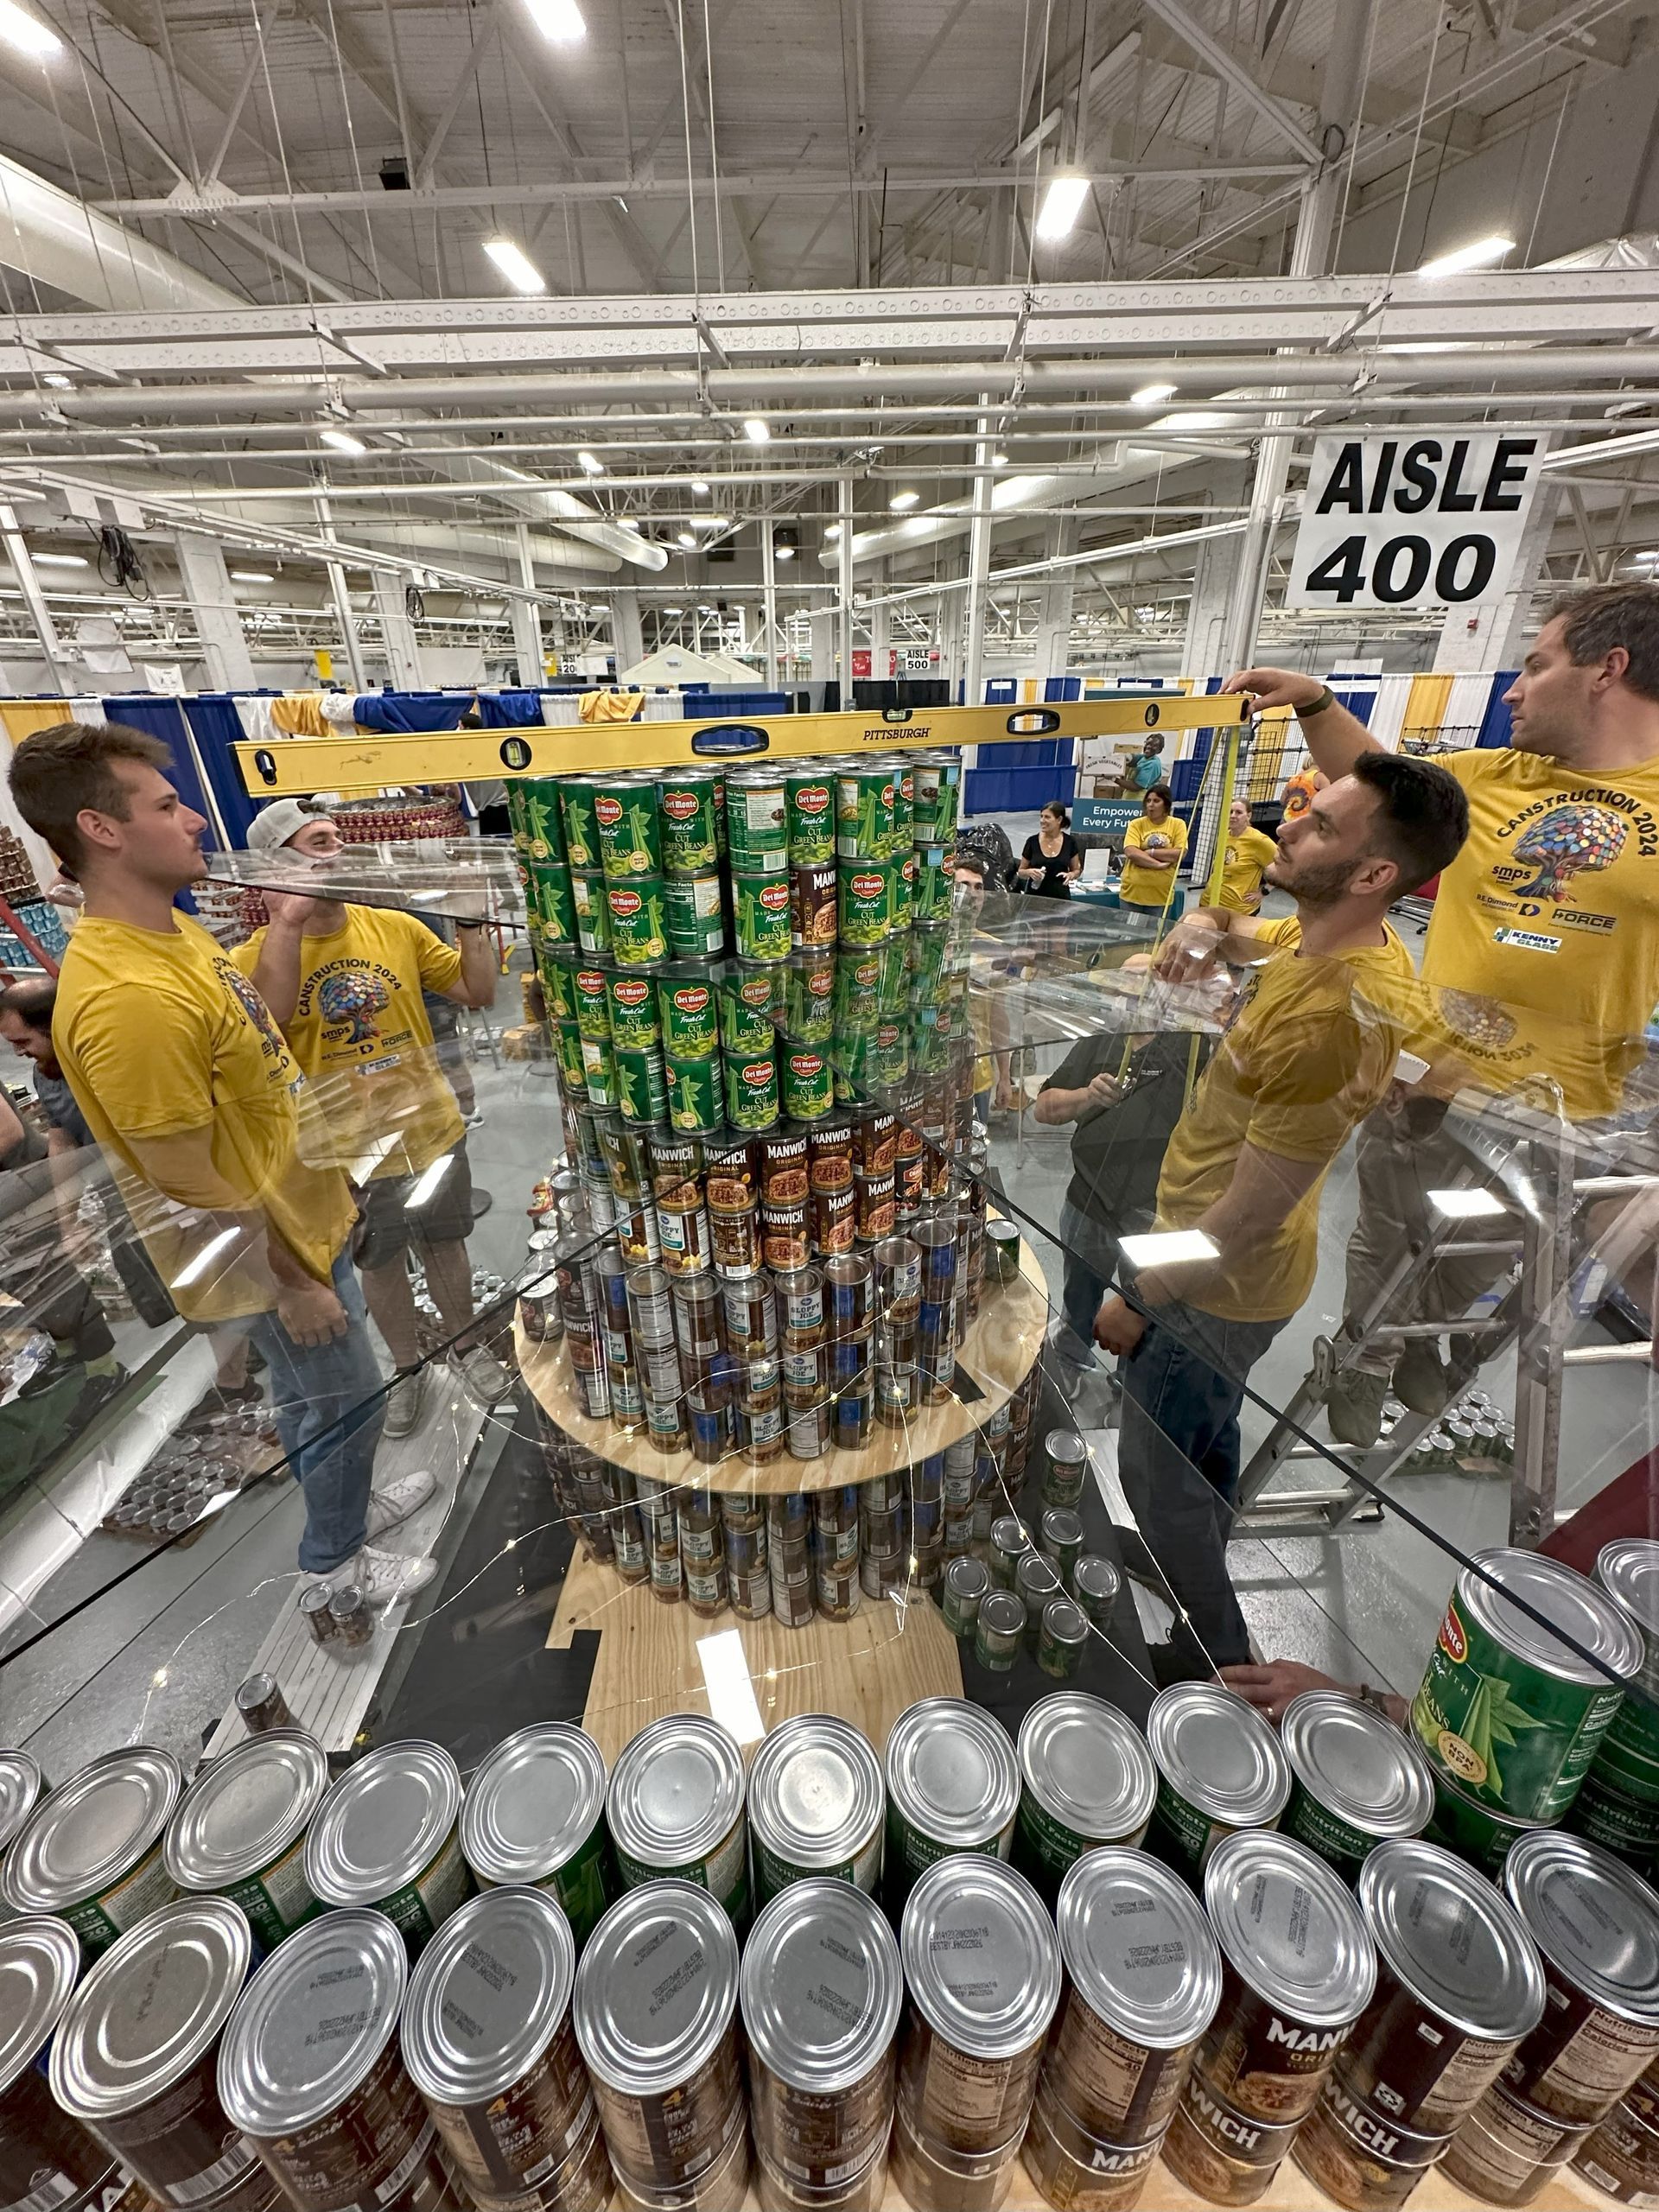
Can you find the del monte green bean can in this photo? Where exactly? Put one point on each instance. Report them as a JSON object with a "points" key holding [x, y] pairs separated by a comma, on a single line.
{"points": [[761, 907], [1513, 1711], [539, 828], [535, 1813], [239, 1830], [577, 795], [695, 916], [630, 841], [91, 1851], [1628, 1570], [695, 1105], [953, 1785], [386, 1836], [1086, 1779], [638, 921], [811, 794], [757, 832], [687, 1012], [675, 1809], [1356, 1780], [1220, 1769], [815, 1806], [690, 821], [752, 1091], [864, 811], [631, 997]]}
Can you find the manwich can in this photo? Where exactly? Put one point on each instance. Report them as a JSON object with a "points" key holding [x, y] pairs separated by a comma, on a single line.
{"points": [[953, 1786], [239, 1830], [387, 1835], [1086, 1779], [815, 1807], [91, 1851], [1220, 1767], [534, 1812], [47, 2159], [1356, 1780], [675, 1809]]}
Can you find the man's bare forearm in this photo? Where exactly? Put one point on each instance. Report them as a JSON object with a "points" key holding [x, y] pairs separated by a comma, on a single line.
{"points": [[479, 971], [276, 973]]}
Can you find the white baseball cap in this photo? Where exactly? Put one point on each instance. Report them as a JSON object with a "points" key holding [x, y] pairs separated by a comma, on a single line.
{"points": [[275, 824]]}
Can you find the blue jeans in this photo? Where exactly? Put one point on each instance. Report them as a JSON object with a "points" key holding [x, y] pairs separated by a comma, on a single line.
{"points": [[1088, 1257], [1178, 1460], [329, 1408]]}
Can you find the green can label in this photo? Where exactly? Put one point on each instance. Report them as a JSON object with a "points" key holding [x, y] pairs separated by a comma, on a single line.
{"points": [[558, 974], [583, 1884], [516, 818], [809, 1000], [931, 899], [1045, 1849], [549, 896], [888, 1060], [1508, 1734], [809, 1085], [592, 915], [279, 1900], [757, 832], [1633, 1738], [864, 814], [752, 1092], [1482, 1838], [582, 845], [903, 890], [858, 1003], [866, 905], [749, 999], [641, 1086], [599, 1071], [420, 1907], [629, 842], [904, 788], [761, 906], [693, 1099], [925, 955], [690, 1026], [573, 1068], [593, 1002], [774, 1875], [1181, 1835], [632, 1001], [812, 819], [1336, 1841], [1620, 1824], [539, 820], [724, 1873], [696, 922], [689, 824], [934, 786], [638, 921]]}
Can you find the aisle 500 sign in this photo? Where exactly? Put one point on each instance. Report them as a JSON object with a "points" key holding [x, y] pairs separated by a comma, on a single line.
{"points": [[1408, 521]]}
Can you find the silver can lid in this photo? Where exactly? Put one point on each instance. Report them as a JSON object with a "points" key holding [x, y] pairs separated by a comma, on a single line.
{"points": [[981, 1961], [312, 2022], [1594, 1624], [656, 1989], [488, 1995], [967, 1577], [821, 1986], [952, 1770], [1137, 1949], [815, 1791], [1065, 1448], [677, 1791], [1453, 1940], [1219, 1753], [21, 1786], [245, 1809], [1087, 1766], [1096, 1578], [1596, 1922], [92, 1829], [382, 1824], [39, 1958], [1290, 1928], [1357, 1764], [151, 2007], [533, 1803], [1628, 1570]]}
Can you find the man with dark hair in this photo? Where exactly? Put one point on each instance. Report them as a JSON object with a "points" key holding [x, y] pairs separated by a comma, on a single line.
{"points": [[1311, 1048], [26, 1025], [186, 1084], [1543, 949]]}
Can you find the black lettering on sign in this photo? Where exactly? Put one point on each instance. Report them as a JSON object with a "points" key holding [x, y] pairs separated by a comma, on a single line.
{"points": [[1452, 501], [1346, 487], [1509, 466], [1416, 471], [1385, 472]]}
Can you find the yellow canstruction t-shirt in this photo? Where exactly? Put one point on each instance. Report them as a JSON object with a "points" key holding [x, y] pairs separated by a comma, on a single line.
{"points": [[1544, 944], [1310, 1052], [364, 1039], [1246, 857], [1150, 887], [159, 1036]]}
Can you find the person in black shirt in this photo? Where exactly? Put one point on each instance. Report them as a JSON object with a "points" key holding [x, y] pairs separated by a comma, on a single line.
{"points": [[1052, 859]]}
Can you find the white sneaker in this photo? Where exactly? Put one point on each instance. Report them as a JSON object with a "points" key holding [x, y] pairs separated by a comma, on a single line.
{"points": [[486, 1378], [382, 1576], [396, 1502], [403, 1402]]}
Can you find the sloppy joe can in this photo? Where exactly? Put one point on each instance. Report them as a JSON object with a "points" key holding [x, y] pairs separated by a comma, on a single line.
{"points": [[1512, 1712], [686, 1012], [973, 2042], [486, 2037], [810, 802], [239, 1830], [1509, 2153], [1079, 2171], [1361, 2159], [690, 817], [812, 907], [1356, 1781], [135, 2058], [1221, 2153], [694, 916], [675, 1809], [46, 2158], [953, 1786], [1086, 1779], [534, 1813], [1299, 1970], [388, 1835], [91, 1852], [1621, 2158], [1220, 1769], [1143, 1981], [821, 1989]]}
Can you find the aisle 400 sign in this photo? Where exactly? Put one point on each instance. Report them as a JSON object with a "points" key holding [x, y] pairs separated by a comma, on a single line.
{"points": [[1409, 521]]}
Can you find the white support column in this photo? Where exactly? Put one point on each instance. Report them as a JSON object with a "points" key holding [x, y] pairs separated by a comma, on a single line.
{"points": [[880, 625], [824, 644], [630, 637], [1475, 640], [218, 624], [979, 564], [1054, 622], [350, 644], [527, 646], [769, 638], [844, 592], [34, 598], [1215, 580], [403, 652]]}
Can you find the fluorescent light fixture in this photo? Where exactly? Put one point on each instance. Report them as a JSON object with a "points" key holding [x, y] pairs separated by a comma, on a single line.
{"points": [[700, 486], [58, 381], [589, 463], [833, 530], [1471, 1205], [342, 441], [1168, 1247], [194, 1269], [1479, 253], [709, 521], [1061, 205], [561, 21], [731, 1689], [784, 552], [1193, 418], [686, 537], [673, 610], [515, 265], [252, 576], [756, 430], [58, 561], [902, 502], [999, 460], [1152, 395], [429, 1181], [27, 33]]}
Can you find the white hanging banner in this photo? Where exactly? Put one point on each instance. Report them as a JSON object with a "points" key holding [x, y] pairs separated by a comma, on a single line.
{"points": [[1412, 521]]}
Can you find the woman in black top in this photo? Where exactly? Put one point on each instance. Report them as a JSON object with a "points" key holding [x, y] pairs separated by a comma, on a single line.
{"points": [[1052, 858]]}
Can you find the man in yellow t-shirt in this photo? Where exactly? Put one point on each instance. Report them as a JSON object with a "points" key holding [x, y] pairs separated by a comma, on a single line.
{"points": [[345, 984], [1311, 1048], [1153, 845], [1249, 852], [185, 1082], [1542, 951]]}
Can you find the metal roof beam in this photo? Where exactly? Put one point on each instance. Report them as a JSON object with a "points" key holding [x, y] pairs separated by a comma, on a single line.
{"points": [[1232, 71]]}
